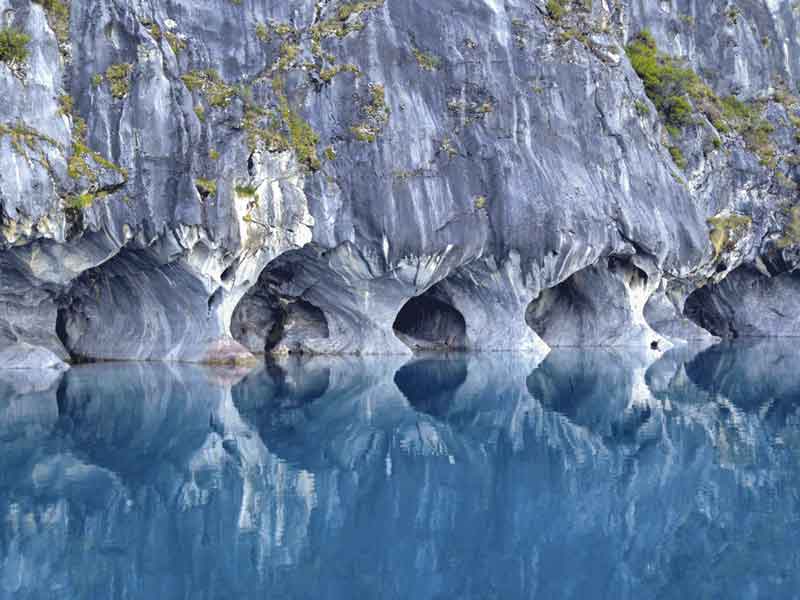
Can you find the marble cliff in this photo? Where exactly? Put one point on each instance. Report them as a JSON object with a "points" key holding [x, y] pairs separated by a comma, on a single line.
{"points": [[202, 181]]}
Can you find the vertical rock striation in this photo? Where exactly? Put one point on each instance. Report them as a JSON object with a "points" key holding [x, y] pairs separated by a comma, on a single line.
{"points": [[203, 182]]}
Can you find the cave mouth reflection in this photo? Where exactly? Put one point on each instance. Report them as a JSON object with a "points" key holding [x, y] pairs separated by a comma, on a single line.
{"points": [[431, 384], [467, 475]]}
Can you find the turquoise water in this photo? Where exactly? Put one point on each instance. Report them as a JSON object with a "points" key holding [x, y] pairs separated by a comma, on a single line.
{"points": [[592, 475]]}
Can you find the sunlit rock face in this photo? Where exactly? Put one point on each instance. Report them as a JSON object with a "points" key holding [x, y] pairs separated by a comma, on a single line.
{"points": [[202, 183], [283, 478]]}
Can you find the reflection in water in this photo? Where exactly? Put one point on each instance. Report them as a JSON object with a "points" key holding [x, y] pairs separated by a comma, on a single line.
{"points": [[591, 475]]}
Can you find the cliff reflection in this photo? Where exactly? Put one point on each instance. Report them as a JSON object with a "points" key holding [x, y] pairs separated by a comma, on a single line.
{"points": [[591, 475]]}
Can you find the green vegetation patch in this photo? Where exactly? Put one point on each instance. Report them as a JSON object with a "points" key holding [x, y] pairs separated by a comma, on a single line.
{"points": [[426, 61], [677, 91], [282, 29], [206, 187], [262, 32], [65, 104], [556, 8], [176, 42], [677, 157], [791, 232], [666, 81], [302, 137], [79, 202], [726, 230], [27, 141], [377, 115], [641, 107], [58, 16], [281, 130], [119, 79], [248, 191], [262, 127], [346, 21], [78, 163], [327, 75], [13, 45], [83, 163], [288, 55], [746, 120], [210, 84], [351, 9]]}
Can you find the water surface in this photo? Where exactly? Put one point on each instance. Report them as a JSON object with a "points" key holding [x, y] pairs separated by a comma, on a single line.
{"points": [[594, 474]]}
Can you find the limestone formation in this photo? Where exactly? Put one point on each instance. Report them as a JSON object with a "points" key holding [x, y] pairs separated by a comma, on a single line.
{"points": [[203, 182]]}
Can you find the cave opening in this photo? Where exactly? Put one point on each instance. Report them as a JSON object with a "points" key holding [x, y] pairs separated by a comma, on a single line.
{"points": [[270, 319], [600, 305], [266, 323], [69, 324], [429, 322], [297, 320], [127, 308], [711, 311]]}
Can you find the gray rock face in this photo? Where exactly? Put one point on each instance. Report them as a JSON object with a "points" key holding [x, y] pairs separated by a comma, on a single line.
{"points": [[23, 356], [602, 305], [202, 182], [748, 303]]}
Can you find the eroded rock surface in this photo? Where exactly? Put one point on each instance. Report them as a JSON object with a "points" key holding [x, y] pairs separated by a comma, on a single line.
{"points": [[203, 182]]}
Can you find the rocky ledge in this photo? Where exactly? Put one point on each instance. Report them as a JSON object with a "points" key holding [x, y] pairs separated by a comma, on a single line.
{"points": [[203, 182]]}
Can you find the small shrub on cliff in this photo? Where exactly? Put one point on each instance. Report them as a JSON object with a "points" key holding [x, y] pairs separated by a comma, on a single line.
{"points": [[426, 61], [217, 92], [677, 157], [670, 85], [206, 187], [641, 108], [118, 77], [726, 230], [13, 45], [248, 191], [555, 8], [667, 82], [791, 232]]}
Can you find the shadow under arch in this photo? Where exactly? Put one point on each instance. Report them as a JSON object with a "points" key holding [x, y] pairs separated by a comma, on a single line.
{"points": [[269, 319], [749, 303], [430, 322], [594, 307]]}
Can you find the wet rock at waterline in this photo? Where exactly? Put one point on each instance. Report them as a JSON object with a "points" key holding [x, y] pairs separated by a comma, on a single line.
{"points": [[205, 183]]}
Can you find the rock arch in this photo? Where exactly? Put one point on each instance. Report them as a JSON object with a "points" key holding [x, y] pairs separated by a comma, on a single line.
{"points": [[430, 322]]}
